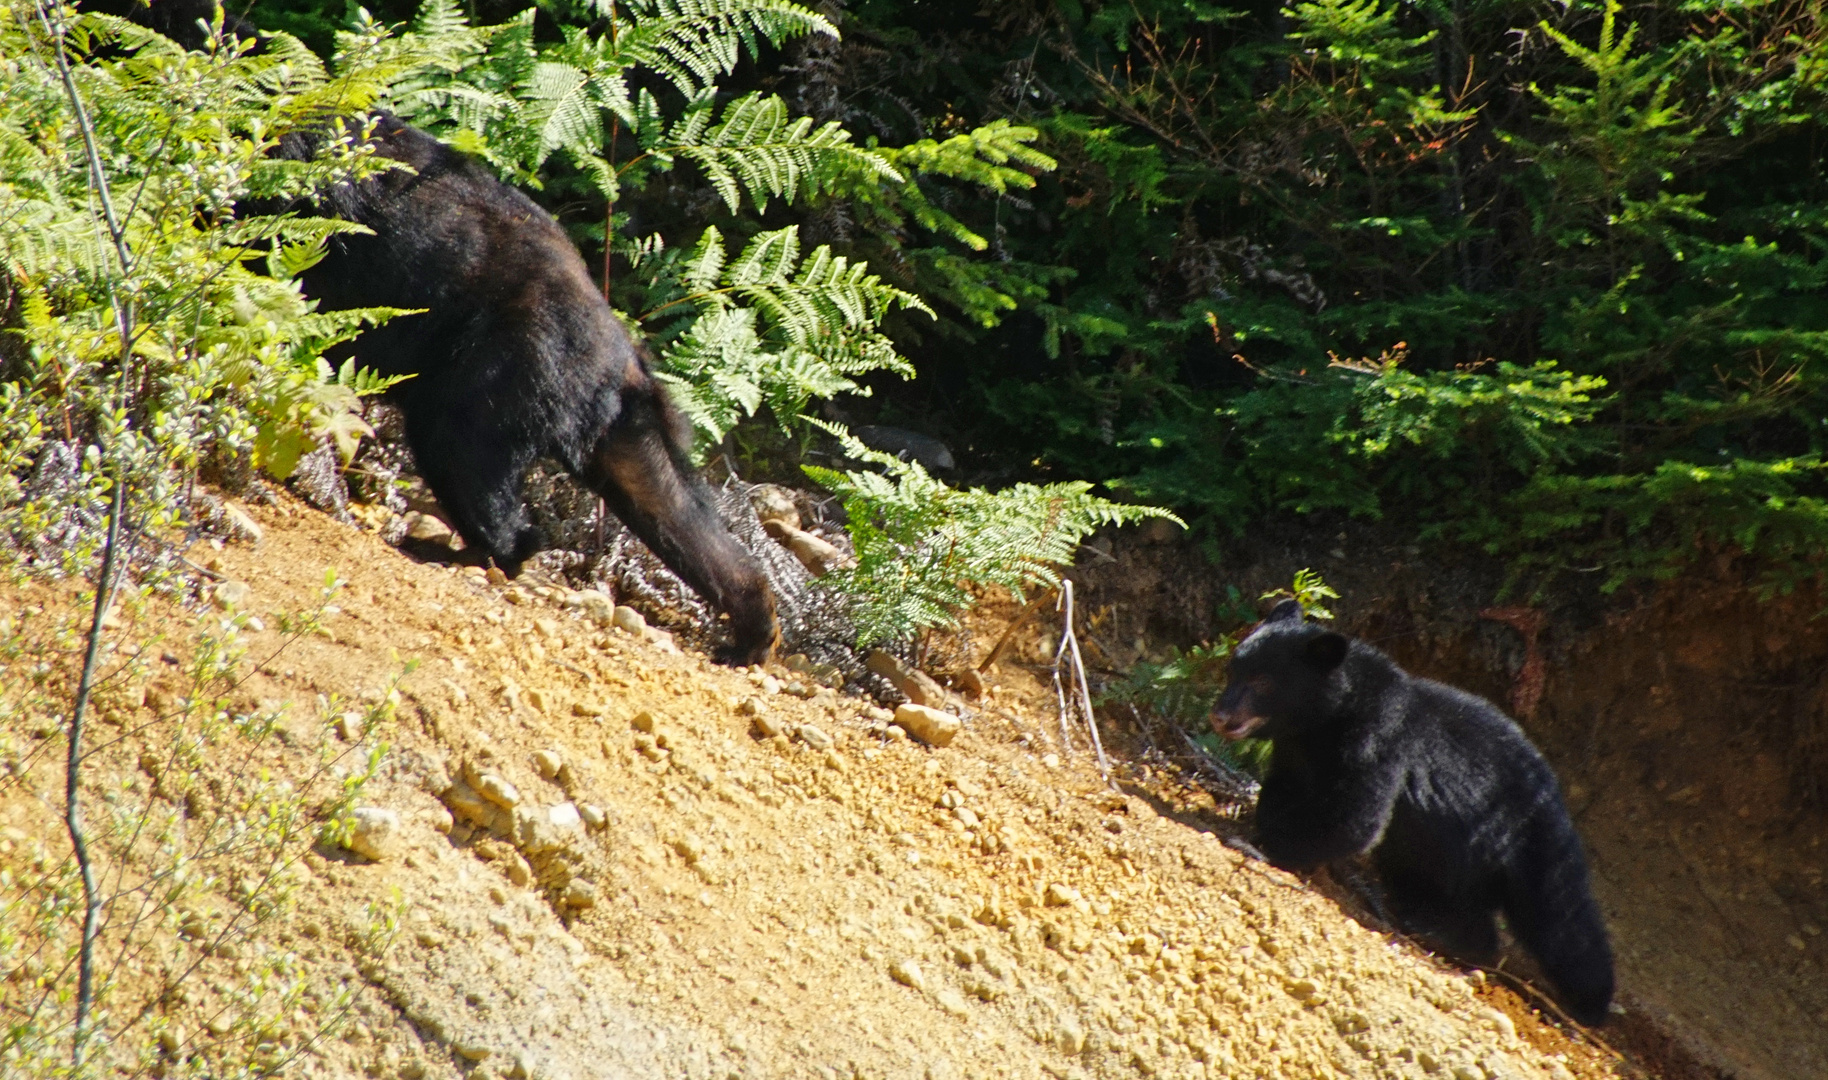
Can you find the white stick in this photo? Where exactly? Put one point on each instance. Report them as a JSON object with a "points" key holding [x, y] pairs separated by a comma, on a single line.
{"points": [[1064, 603], [1085, 692]]}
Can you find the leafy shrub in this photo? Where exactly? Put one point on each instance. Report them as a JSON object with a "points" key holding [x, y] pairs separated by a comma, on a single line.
{"points": [[224, 360], [1630, 191], [922, 547], [774, 326]]}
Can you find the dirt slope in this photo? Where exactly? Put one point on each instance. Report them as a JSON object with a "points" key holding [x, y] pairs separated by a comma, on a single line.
{"points": [[695, 900], [1688, 723]]}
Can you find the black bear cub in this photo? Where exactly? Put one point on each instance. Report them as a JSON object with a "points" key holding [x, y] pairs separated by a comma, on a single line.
{"points": [[1461, 815]]}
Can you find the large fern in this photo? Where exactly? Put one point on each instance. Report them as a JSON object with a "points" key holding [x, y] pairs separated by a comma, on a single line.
{"points": [[922, 546], [770, 327]]}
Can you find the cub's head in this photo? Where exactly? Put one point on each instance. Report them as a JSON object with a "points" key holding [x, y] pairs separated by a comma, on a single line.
{"points": [[1278, 676]]}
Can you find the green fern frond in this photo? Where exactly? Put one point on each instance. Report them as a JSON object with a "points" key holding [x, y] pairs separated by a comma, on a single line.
{"points": [[691, 43], [921, 544], [996, 157], [757, 146]]}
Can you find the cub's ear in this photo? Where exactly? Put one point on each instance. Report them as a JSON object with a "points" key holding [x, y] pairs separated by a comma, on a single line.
{"points": [[1287, 609], [1327, 650]]}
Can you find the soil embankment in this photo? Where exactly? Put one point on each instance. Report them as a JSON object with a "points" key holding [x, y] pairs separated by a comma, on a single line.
{"points": [[602, 868], [1690, 729]]}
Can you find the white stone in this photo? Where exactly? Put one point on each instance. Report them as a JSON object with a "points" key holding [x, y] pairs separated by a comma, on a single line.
{"points": [[374, 832], [929, 725], [629, 621], [498, 791], [908, 973], [231, 595]]}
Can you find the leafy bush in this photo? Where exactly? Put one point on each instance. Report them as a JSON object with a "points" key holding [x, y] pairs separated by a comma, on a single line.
{"points": [[1629, 191], [773, 327], [922, 547], [224, 361]]}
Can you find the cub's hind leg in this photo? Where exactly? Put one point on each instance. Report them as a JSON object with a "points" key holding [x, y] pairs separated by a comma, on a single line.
{"points": [[1446, 920]]}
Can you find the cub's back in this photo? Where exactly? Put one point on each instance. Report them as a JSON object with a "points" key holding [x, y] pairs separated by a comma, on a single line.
{"points": [[1465, 753]]}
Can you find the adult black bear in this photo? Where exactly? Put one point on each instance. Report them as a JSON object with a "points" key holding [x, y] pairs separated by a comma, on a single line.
{"points": [[516, 357], [1461, 815]]}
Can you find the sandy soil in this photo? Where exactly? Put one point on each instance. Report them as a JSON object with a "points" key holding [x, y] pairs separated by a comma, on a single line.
{"points": [[603, 868]]}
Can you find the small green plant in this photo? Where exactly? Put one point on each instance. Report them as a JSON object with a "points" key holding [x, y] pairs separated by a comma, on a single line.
{"points": [[337, 812], [194, 844], [1182, 690], [1310, 592], [922, 547]]}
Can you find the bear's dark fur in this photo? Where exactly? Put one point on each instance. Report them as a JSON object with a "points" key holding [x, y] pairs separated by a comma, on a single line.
{"points": [[517, 357], [1461, 815]]}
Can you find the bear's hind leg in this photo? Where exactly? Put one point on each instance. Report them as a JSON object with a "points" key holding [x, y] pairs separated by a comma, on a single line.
{"points": [[475, 471], [1452, 925], [1551, 909]]}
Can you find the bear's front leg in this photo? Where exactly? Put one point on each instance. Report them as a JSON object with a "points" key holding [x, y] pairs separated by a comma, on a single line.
{"points": [[1305, 821]]}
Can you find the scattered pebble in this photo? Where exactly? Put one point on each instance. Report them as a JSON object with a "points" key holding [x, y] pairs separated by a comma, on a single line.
{"points": [[242, 524], [498, 791], [815, 737], [595, 604], [349, 727], [907, 973], [1058, 895], [580, 893], [629, 621], [593, 815], [548, 763], [428, 528], [374, 832], [470, 1049], [929, 725], [232, 594]]}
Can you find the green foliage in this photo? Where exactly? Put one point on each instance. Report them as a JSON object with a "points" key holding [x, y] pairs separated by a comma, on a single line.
{"points": [[770, 329], [1629, 193], [224, 361], [922, 548], [198, 847], [1310, 591]]}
